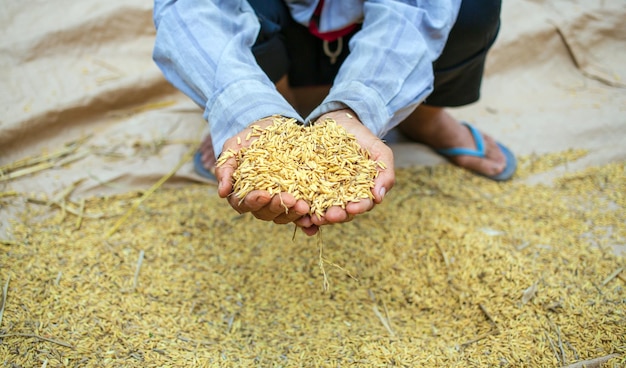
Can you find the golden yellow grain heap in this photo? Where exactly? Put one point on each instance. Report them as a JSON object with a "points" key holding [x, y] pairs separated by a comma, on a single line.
{"points": [[321, 163], [451, 270]]}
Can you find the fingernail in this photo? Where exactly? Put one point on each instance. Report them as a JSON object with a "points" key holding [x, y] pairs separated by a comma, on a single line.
{"points": [[382, 192]]}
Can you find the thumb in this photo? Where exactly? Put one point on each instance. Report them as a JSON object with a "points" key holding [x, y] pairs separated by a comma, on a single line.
{"points": [[383, 183], [224, 175], [386, 175]]}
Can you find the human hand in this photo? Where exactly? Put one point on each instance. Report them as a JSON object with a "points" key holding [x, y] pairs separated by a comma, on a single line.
{"points": [[281, 208], [383, 183]]}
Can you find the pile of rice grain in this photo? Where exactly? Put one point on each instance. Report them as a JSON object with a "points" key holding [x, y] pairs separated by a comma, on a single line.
{"points": [[452, 270], [320, 163]]}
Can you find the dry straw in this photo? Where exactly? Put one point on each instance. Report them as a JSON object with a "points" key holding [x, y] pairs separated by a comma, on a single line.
{"points": [[453, 271], [321, 163]]}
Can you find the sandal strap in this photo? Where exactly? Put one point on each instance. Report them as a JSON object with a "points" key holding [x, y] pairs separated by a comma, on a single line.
{"points": [[461, 151]]}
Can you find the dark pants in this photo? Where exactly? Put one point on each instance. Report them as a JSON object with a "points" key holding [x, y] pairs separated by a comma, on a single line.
{"points": [[285, 47]]}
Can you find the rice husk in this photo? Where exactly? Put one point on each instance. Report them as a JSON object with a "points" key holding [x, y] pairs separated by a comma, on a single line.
{"points": [[320, 163], [451, 270]]}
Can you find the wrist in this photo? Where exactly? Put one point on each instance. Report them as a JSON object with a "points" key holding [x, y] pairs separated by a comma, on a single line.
{"points": [[341, 114]]}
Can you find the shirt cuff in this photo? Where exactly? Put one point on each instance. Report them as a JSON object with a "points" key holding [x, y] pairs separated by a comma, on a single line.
{"points": [[364, 101], [239, 105]]}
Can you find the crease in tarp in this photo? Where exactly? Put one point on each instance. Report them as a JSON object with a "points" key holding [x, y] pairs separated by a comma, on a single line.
{"points": [[542, 91]]}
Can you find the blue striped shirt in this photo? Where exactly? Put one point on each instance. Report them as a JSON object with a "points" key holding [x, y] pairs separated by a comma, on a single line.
{"points": [[204, 49]]}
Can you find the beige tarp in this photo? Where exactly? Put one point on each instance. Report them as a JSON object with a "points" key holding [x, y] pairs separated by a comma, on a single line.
{"points": [[71, 70]]}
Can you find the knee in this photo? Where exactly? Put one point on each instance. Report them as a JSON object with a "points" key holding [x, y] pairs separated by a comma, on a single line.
{"points": [[479, 18], [273, 16], [269, 49]]}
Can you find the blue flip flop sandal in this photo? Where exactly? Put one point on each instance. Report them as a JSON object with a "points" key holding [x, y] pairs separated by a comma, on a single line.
{"points": [[200, 170], [511, 161]]}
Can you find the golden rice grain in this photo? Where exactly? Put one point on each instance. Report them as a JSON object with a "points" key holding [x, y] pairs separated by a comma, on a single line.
{"points": [[321, 163], [442, 266]]}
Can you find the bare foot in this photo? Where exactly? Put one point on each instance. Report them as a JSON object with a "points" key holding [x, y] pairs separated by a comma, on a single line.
{"points": [[437, 129], [208, 154]]}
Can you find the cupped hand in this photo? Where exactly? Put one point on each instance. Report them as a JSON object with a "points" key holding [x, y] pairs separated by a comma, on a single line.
{"points": [[281, 208], [383, 183]]}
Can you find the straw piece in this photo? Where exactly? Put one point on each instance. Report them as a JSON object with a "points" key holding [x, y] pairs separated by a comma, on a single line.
{"points": [[612, 276], [81, 213], [64, 207], [553, 346], [592, 363], [488, 316], [30, 161], [101, 80], [27, 171], [108, 66], [529, 293], [117, 72], [384, 321], [65, 193], [153, 189], [139, 262], [58, 342], [320, 245], [478, 338], [387, 318], [42, 166], [561, 349], [340, 268], [194, 341], [5, 291]]}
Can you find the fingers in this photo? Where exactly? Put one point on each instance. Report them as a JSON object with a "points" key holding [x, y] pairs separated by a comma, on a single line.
{"points": [[253, 202], [282, 208], [293, 214], [224, 172], [306, 224], [224, 175], [362, 206], [378, 150], [386, 176], [336, 214], [333, 215], [310, 231], [283, 211]]}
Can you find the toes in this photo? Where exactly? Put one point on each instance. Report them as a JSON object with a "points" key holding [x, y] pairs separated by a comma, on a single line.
{"points": [[207, 152], [484, 166], [492, 164]]}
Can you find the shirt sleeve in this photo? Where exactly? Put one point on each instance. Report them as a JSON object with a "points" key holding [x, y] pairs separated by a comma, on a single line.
{"points": [[204, 49], [388, 72]]}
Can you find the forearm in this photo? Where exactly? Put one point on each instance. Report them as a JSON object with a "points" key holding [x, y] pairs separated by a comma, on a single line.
{"points": [[389, 69], [204, 49]]}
